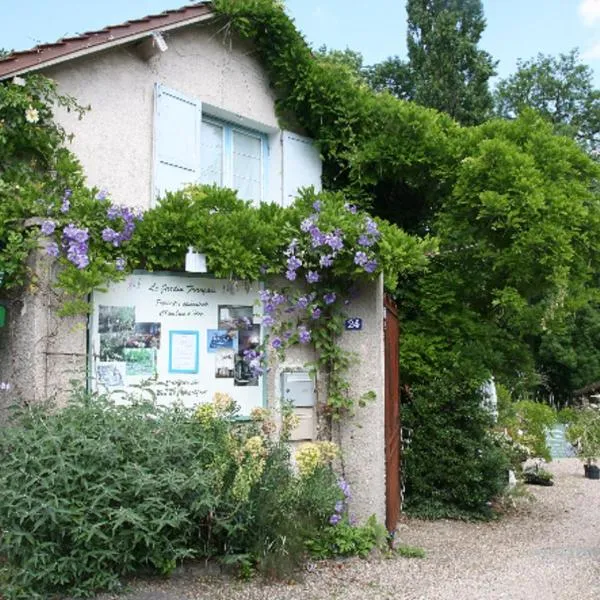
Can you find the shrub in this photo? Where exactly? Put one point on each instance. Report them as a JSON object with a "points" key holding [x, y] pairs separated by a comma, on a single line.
{"points": [[453, 467], [583, 431], [526, 422], [95, 491]]}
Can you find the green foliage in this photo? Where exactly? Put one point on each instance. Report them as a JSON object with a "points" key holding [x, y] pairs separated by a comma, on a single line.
{"points": [[583, 431], [344, 539], [450, 72], [35, 168], [526, 422], [453, 467], [205, 217], [510, 206], [560, 89], [95, 491], [569, 354], [393, 75]]}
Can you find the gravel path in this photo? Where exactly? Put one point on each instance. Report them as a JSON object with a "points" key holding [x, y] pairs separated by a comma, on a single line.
{"points": [[549, 550]]}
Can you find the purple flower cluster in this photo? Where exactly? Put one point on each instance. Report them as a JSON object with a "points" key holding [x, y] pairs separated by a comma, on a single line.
{"points": [[303, 334], [340, 505], [102, 194], [75, 243], [312, 277], [48, 227], [116, 238]]}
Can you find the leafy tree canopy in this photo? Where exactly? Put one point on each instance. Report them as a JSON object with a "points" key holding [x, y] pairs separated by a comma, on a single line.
{"points": [[561, 90]]}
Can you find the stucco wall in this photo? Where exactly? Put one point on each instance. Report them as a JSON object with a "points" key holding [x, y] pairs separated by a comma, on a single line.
{"points": [[42, 353], [114, 139], [361, 436]]}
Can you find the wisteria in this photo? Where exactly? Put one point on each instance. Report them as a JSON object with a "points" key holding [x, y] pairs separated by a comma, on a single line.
{"points": [[74, 240], [48, 227], [341, 506], [312, 277], [329, 298], [303, 335]]}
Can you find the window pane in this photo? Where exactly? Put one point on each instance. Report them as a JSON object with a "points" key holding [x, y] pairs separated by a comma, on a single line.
{"points": [[211, 154], [247, 165]]}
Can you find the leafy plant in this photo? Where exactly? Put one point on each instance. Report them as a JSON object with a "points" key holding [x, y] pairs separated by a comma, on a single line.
{"points": [[527, 422], [95, 491], [536, 475], [583, 431], [454, 469], [344, 539]]}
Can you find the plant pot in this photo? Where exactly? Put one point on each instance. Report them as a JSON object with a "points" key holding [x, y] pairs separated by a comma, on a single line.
{"points": [[592, 471]]}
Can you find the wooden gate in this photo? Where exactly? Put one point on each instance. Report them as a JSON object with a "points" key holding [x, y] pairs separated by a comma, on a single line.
{"points": [[392, 414]]}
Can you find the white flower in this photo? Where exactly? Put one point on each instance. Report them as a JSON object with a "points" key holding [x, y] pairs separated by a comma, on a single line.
{"points": [[32, 115], [18, 81]]}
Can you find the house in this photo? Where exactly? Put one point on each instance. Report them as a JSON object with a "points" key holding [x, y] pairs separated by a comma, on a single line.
{"points": [[181, 101], [174, 100]]}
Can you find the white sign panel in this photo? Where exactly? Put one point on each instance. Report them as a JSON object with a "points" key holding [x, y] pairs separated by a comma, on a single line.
{"points": [[182, 338]]}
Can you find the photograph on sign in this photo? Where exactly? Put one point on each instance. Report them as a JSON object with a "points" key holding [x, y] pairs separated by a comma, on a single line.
{"points": [[249, 339], [111, 374], [221, 339], [235, 318], [225, 364], [183, 351]]}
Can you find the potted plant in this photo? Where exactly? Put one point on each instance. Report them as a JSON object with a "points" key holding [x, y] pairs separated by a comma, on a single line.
{"points": [[537, 475], [584, 433]]}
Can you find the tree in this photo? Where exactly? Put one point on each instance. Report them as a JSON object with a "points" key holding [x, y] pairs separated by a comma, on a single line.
{"points": [[450, 72], [394, 75], [561, 90]]}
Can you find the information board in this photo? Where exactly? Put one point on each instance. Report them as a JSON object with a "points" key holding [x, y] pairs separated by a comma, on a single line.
{"points": [[180, 337]]}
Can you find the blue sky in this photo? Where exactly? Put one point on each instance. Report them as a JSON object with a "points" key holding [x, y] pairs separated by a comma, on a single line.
{"points": [[516, 28]]}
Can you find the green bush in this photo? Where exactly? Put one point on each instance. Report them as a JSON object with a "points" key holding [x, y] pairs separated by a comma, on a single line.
{"points": [[526, 422], [95, 491], [453, 467]]}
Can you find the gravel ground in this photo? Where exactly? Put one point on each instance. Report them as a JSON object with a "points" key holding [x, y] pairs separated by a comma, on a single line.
{"points": [[548, 549]]}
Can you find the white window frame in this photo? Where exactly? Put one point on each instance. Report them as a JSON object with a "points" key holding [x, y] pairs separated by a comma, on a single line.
{"points": [[228, 129]]}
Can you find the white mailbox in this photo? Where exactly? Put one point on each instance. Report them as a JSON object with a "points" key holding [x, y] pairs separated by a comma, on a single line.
{"points": [[298, 388]]}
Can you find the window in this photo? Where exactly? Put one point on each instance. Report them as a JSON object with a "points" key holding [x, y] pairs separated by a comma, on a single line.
{"points": [[190, 147], [232, 157]]}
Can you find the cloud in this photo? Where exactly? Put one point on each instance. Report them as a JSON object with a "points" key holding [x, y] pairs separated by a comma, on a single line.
{"points": [[592, 53], [589, 11]]}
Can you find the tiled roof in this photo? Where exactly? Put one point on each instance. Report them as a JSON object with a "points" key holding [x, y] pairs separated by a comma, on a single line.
{"points": [[26, 60]]}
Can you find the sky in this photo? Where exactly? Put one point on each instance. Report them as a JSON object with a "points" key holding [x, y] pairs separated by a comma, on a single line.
{"points": [[515, 28]]}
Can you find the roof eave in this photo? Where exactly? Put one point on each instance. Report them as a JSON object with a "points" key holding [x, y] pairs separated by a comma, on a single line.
{"points": [[69, 49]]}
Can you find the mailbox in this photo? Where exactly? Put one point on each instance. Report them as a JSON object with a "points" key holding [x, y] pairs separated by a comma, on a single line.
{"points": [[298, 388]]}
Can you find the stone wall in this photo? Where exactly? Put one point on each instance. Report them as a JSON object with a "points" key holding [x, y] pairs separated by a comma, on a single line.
{"points": [[41, 353]]}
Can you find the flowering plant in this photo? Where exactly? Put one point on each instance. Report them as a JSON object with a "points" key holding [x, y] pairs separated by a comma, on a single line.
{"points": [[86, 233], [331, 243]]}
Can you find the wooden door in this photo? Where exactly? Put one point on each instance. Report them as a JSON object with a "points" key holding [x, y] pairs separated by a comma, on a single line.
{"points": [[392, 414]]}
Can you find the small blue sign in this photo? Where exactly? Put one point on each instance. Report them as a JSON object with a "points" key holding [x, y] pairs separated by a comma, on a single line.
{"points": [[353, 324]]}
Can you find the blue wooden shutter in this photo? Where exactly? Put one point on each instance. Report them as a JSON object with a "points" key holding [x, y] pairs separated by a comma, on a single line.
{"points": [[177, 121], [302, 165]]}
